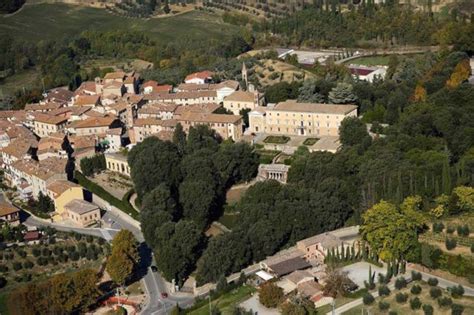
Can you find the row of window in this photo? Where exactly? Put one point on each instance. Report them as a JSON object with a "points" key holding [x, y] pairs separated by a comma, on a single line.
{"points": [[309, 115]]}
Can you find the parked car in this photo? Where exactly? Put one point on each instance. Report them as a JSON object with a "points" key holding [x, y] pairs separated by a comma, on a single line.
{"points": [[164, 295], [154, 268]]}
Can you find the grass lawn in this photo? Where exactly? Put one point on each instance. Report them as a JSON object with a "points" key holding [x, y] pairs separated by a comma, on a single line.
{"points": [[266, 156], [226, 302], [135, 288], [276, 139], [404, 308], [54, 21], [371, 61], [310, 141], [229, 220]]}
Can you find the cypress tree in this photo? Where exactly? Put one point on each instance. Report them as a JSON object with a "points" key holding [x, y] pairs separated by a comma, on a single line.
{"points": [[446, 177]]}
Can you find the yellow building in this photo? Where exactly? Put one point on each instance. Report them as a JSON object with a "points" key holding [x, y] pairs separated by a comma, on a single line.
{"points": [[81, 212], [62, 192], [226, 126], [117, 162], [300, 119]]}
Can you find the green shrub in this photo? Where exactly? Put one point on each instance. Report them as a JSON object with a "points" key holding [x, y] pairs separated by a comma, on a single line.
{"points": [[416, 276], [415, 303], [400, 283], [463, 230], [27, 264], [435, 292], [382, 279], [445, 301], [416, 289], [433, 282], [74, 256], [392, 313], [438, 227], [46, 252], [42, 261], [384, 290], [457, 309], [3, 268], [36, 251], [401, 297], [450, 244], [427, 309], [450, 229], [368, 299], [383, 306], [17, 265], [456, 291], [472, 248]]}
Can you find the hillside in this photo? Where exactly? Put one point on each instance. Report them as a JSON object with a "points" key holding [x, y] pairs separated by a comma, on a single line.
{"points": [[53, 21]]}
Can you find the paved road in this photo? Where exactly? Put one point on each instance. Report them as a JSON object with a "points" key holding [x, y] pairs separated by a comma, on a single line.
{"points": [[153, 282]]}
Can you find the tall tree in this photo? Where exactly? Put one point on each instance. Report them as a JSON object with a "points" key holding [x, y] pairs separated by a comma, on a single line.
{"points": [[391, 232], [342, 94], [179, 138]]}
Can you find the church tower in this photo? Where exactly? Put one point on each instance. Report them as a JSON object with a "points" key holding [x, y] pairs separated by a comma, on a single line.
{"points": [[245, 75]]}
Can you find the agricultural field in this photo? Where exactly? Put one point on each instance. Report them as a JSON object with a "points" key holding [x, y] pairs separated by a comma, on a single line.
{"points": [[274, 71], [27, 79], [55, 21], [58, 252], [424, 297]]}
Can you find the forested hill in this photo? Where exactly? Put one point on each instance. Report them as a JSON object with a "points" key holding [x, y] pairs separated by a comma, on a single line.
{"points": [[371, 26]]}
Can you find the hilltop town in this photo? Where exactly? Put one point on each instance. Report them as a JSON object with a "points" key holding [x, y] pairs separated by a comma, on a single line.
{"points": [[236, 157]]}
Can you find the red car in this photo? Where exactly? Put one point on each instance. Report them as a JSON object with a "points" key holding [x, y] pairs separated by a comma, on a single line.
{"points": [[164, 295]]}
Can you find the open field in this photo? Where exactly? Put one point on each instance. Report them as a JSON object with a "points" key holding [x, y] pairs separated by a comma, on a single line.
{"points": [[55, 21], [26, 79]]}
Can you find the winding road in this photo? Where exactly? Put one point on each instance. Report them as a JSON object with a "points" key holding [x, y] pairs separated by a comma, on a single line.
{"points": [[153, 282]]}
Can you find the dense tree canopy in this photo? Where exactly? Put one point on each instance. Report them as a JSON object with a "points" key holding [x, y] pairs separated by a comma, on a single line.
{"points": [[61, 294], [182, 185], [370, 25], [393, 232]]}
